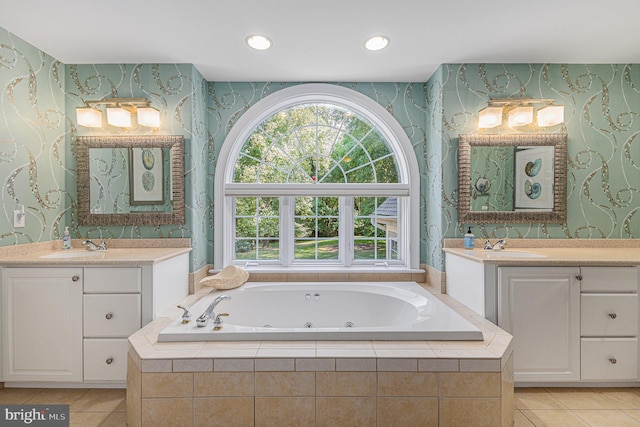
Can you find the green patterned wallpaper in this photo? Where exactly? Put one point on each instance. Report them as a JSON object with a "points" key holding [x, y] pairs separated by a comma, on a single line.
{"points": [[33, 142], [37, 139], [602, 105]]}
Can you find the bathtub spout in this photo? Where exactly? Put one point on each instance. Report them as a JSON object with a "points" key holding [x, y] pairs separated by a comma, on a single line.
{"points": [[209, 314]]}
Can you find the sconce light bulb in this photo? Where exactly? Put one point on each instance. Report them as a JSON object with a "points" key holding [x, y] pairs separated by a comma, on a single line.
{"points": [[520, 116], [89, 117], [550, 115], [490, 117], [119, 117]]}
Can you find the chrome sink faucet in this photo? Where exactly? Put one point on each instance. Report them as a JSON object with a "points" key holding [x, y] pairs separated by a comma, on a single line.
{"points": [[102, 246], [209, 314], [498, 246]]}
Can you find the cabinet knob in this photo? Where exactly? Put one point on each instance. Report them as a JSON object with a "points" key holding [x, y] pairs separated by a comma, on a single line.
{"points": [[109, 316], [613, 360], [613, 315], [109, 361], [579, 277], [75, 278]]}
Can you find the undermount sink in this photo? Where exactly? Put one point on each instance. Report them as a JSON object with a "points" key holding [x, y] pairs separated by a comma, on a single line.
{"points": [[82, 254], [512, 254]]}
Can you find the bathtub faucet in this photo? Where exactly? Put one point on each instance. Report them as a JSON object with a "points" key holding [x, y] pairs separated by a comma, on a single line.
{"points": [[209, 314]]}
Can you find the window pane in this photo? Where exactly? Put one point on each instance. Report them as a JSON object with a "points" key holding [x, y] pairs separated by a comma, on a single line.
{"points": [[316, 228], [257, 228], [314, 143], [375, 228]]}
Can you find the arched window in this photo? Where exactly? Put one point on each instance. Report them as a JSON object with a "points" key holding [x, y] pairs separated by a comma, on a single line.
{"points": [[317, 175]]}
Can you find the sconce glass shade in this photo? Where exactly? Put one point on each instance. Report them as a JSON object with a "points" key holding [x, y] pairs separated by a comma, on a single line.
{"points": [[490, 117], [521, 116], [89, 117], [119, 117], [148, 116], [550, 115]]}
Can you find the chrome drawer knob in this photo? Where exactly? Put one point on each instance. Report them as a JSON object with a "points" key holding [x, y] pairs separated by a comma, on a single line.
{"points": [[613, 315], [109, 361], [75, 278], [579, 277], [613, 360], [108, 316]]}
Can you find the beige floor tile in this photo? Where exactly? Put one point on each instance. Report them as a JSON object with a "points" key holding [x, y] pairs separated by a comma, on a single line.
{"points": [[116, 419], [536, 398], [620, 398], [607, 418], [58, 396], [581, 398], [553, 418], [16, 396], [521, 421], [87, 419], [100, 399]]}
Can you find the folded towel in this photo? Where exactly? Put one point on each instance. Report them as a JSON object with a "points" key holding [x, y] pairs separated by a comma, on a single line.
{"points": [[230, 277]]}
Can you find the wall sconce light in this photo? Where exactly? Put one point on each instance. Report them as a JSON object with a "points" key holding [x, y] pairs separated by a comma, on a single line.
{"points": [[520, 112], [119, 111]]}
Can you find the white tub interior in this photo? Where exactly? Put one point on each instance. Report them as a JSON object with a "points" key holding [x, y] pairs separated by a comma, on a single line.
{"points": [[326, 311]]}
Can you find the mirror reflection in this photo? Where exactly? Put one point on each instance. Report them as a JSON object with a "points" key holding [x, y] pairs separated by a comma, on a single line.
{"points": [[130, 180], [512, 178], [124, 180]]}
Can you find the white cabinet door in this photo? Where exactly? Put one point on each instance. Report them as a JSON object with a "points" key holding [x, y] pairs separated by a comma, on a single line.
{"points": [[540, 307], [42, 324]]}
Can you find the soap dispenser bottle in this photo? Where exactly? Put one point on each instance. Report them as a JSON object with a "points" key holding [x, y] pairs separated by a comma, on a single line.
{"points": [[469, 239], [66, 239]]}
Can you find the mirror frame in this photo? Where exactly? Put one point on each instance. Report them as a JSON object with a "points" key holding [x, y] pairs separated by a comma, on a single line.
{"points": [[175, 142], [559, 212]]}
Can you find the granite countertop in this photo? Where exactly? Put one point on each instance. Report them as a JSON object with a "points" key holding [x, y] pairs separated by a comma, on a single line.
{"points": [[117, 253], [540, 252]]}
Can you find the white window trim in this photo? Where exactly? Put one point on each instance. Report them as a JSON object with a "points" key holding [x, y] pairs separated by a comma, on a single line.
{"points": [[386, 124]]}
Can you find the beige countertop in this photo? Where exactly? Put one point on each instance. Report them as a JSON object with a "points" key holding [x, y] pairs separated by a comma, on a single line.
{"points": [[558, 256], [49, 254]]}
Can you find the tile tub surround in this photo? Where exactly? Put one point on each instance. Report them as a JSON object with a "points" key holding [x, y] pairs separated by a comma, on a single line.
{"points": [[321, 383]]}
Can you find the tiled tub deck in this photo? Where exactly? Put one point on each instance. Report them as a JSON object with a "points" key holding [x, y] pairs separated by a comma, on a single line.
{"points": [[309, 383]]}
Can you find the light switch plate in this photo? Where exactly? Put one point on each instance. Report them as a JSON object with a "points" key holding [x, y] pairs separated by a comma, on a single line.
{"points": [[18, 218]]}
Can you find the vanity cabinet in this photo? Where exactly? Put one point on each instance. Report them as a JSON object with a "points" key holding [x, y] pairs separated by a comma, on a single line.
{"points": [[540, 307], [609, 323], [71, 324], [571, 323], [42, 324], [112, 312]]}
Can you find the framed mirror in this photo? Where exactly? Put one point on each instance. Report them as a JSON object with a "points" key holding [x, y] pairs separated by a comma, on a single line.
{"points": [[130, 180], [512, 178]]}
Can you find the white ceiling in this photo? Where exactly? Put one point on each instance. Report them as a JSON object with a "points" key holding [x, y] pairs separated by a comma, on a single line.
{"points": [[323, 40]]}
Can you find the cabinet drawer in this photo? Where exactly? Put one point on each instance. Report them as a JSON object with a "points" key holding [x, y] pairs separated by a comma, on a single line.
{"points": [[609, 315], [609, 279], [609, 359], [112, 280], [105, 359], [111, 315]]}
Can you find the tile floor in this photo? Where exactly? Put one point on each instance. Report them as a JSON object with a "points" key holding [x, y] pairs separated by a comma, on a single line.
{"points": [[579, 407], [539, 407], [98, 407]]}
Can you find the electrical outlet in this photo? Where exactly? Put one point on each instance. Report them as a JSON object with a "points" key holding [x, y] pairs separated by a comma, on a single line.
{"points": [[18, 218]]}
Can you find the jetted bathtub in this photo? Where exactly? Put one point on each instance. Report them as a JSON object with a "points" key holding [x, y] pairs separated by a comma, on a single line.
{"points": [[325, 311]]}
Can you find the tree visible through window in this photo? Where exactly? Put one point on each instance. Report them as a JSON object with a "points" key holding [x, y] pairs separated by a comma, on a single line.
{"points": [[313, 143]]}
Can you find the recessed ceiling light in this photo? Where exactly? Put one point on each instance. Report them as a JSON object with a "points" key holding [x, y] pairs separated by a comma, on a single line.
{"points": [[376, 42], [259, 42]]}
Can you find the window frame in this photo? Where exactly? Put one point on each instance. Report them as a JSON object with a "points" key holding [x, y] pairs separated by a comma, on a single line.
{"points": [[225, 190]]}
